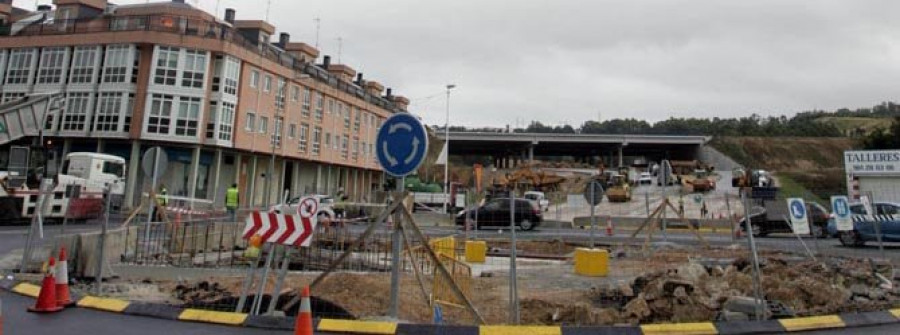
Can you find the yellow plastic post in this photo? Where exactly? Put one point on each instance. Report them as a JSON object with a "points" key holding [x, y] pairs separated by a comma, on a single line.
{"points": [[476, 251], [592, 262]]}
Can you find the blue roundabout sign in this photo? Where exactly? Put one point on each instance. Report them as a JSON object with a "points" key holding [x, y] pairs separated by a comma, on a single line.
{"points": [[401, 145]]}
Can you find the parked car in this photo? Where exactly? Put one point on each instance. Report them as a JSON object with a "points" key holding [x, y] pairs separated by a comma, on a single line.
{"points": [[540, 198], [325, 210], [496, 213], [887, 215], [769, 219], [646, 178]]}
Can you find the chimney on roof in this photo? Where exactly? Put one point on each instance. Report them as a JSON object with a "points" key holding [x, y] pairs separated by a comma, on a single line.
{"points": [[229, 15], [359, 79], [388, 93], [326, 61], [284, 39]]}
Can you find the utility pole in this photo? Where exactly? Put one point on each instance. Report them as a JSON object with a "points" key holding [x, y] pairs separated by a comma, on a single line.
{"points": [[447, 148]]}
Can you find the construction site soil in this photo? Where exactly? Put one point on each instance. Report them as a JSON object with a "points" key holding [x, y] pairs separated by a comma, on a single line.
{"points": [[671, 285]]}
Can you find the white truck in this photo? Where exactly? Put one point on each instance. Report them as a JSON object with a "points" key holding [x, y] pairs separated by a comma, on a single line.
{"points": [[87, 173]]}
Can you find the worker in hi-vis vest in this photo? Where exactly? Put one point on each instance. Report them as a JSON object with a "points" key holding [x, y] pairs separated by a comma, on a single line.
{"points": [[232, 199]]}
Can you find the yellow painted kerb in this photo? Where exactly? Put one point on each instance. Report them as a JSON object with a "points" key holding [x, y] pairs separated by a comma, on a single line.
{"points": [[30, 290], [225, 318], [519, 330], [896, 312], [812, 322], [103, 304], [695, 328], [357, 327]]}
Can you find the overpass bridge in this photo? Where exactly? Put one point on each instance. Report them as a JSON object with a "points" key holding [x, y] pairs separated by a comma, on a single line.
{"points": [[507, 149]]}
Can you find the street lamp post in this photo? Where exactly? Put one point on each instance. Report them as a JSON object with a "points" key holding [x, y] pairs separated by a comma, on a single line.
{"points": [[447, 147]]}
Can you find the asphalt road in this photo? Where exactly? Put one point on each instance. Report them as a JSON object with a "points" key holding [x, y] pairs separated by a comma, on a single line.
{"points": [[85, 321]]}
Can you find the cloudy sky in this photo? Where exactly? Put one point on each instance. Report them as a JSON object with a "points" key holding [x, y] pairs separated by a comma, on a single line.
{"points": [[567, 61]]}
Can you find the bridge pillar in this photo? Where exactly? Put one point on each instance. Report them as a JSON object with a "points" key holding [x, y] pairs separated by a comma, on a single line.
{"points": [[621, 159], [531, 154], [195, 169]]}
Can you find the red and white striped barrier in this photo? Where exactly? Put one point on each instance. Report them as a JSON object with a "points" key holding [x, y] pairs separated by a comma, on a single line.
{"points": [[284, 229]]}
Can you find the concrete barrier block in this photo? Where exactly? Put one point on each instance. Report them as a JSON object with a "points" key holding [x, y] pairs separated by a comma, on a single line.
{"points": [[592, 262], [476, 251]]}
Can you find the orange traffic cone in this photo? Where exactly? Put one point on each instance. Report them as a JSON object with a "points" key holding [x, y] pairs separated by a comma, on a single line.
{"points": [[46, 301], [609, 227], [63, 298], [304, 324]]}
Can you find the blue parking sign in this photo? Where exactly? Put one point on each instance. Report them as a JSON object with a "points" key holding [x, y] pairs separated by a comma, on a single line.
{"points": [[401, 145]]}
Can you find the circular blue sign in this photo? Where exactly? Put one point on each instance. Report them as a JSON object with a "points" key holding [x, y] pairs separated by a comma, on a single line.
{"points": [[841, 208], [401, 145], [797, 209]]}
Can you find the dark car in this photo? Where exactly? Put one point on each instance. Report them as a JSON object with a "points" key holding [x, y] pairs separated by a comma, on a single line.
{"points": [[764, 224], [496, 213]]}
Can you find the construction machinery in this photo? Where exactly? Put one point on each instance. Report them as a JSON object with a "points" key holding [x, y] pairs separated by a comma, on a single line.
{"points": [[702, 181], [619, 189], [531, 178], [741, 177]]}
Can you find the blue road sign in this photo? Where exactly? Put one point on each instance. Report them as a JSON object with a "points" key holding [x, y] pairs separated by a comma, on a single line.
{"points": [[797, 209], [401, 145], [841, 209]]}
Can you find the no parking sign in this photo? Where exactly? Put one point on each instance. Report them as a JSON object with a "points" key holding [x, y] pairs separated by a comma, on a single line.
{"points": [[799, 221]]}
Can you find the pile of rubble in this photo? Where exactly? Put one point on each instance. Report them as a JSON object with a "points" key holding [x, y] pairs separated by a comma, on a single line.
{"points": [[700, 291]]}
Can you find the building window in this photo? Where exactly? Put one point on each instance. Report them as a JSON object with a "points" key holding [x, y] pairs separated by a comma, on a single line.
{"points": [[304, 137], [116, 63], [307, 101], [10, 96], [267, 84], [232, 75], [166, 66], [211, 120], [52, 65], [328, 140], [365, 151], [320, 106], [226, 121], [292, 131], [109, 106], [345, 146], [346, 113], [276, 135], [76, 112], [194, 68], [129, 109], [295, 93], [316, 140], [357, 118], [160, 114], [355, 148], [20, 64], [84, 60], [251, 122], [280, 94], [254, 78], [263, 124], [188, 116]]}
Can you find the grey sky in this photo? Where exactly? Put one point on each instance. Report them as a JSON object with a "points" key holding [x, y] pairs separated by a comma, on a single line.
{"points": [[570, 60]]}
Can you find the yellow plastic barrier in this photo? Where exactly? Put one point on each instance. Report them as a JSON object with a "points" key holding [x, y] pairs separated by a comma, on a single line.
{"points": [[444, 246], [476, 251], [592, 262]]}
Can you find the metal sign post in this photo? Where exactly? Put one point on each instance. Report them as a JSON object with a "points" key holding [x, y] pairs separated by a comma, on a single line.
{"points": [[757, 279], [401, 147], [153, 161], [594, 195], [513, 280]]}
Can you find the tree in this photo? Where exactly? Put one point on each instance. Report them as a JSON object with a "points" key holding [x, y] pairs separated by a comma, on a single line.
{"points": [[884, 139]]}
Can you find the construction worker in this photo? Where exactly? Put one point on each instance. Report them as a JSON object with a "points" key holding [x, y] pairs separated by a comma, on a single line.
{"points": [[162, 201], [231, 201]]}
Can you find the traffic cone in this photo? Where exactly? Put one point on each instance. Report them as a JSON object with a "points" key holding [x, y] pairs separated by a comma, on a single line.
{"points": [[609, 227], [46, 301], [304, 324], [63, 298]]}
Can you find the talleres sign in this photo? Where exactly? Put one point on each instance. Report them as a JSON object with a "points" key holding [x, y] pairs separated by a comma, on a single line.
{"points": [[872, 162]]}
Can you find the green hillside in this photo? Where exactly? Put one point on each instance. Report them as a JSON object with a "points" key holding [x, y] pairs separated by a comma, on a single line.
{"points": [[848, 125]]}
